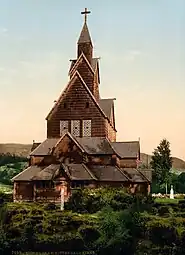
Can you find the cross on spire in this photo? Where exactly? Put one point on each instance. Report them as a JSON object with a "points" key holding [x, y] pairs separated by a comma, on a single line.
{"points": [[85, 12]]}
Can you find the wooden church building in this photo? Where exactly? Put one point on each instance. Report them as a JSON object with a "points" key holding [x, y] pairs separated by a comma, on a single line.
{"points": [[81, 148]]}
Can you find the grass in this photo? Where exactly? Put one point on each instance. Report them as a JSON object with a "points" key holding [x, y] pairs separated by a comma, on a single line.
{"points": [[5, 188], [167, 200]]}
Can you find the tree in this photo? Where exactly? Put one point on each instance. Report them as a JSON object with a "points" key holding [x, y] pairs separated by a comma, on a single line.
{"points": [[162, 162], [4, 245], [119, 231], [180, 183]]}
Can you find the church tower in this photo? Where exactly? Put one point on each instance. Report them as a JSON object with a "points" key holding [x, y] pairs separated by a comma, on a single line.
{"points": [[79, 109], [84, 41], [85, 64]]}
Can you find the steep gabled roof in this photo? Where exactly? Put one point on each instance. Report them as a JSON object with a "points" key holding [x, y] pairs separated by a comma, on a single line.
{"points": [[85, 35], [93, 63], [73, 138], [48, 146], [78, 61], [75, 76]]}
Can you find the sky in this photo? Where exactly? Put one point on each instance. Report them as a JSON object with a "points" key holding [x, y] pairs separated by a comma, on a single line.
{"points": [[141, 45]]}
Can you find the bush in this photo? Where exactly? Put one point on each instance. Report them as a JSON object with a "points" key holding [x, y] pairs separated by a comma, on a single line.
{"points": [[161, 231], [92, 201], [50, 206], [182, 201], [119, 223], [5, 197], [163, 210]]}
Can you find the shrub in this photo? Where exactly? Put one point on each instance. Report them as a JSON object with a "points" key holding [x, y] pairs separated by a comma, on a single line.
{"points": [[182, 201], [92, 201], [163, 210], [50, 206]]}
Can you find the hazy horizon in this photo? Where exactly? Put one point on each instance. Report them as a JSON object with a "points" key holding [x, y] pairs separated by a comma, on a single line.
{"points": [[141, 45]]}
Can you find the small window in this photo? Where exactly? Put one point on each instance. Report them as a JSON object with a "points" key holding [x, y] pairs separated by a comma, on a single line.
{"points": [[63, 127], [65, 105], [75, 127], [86, 127], [87, 105]]}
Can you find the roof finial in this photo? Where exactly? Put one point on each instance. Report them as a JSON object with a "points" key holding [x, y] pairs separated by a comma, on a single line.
{"points": [[85, 13]]}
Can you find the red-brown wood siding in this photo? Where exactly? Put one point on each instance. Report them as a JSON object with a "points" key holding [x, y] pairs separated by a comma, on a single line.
{"points": [[87, 49], [85, 71], [110, 132], [75, 100], [96, 86]]}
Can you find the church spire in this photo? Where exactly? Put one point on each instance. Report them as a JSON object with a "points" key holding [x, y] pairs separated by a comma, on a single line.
{"points": [[85, 35], [84, 41]]}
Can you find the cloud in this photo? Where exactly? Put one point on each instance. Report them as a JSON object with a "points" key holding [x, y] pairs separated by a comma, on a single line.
{"points": [[132, 55], [3, 31]]}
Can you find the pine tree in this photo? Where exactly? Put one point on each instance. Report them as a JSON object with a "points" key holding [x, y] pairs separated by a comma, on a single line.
{"points": [[162, 162]]}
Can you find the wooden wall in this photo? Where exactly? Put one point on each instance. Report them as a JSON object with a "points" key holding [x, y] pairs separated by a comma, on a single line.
{"points": [[75, 103]]}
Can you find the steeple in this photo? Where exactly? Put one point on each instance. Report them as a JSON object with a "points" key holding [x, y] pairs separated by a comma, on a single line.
{"points": [[84, 41], [85, 35]]}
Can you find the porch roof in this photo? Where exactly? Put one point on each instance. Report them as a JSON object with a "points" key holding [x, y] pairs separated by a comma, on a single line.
{"points": [[134, 175], [108, 173], [27, 174], [48, 173], [78, 172]]}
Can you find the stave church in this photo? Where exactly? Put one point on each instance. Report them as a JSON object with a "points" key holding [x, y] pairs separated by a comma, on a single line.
{"points": [[80, 149]]}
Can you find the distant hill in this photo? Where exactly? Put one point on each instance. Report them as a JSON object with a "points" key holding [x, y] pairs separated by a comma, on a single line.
{"points": [[177, 163], [16, 149], [24, 150]]}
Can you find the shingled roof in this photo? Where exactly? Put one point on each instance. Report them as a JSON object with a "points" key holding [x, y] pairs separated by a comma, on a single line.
{"points": [[126, 149], [134, 175], [95, 145], [34, 146], [27, 174], [92, 146], [108, 173], [147, 173], [93, 63], [78, 172], [45, 147], [85, 35], [106, 106], [48, 173]]}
